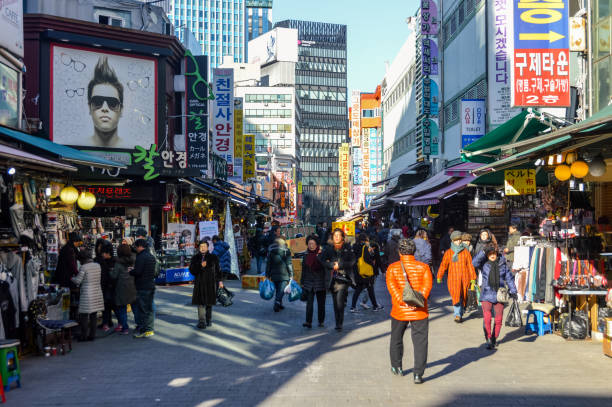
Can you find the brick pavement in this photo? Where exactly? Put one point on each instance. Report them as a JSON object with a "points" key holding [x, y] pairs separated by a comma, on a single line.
{"points": [[253, 356]]}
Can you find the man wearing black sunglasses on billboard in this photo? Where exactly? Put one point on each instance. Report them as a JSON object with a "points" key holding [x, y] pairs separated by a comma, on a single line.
{"points": [[105, 99]]}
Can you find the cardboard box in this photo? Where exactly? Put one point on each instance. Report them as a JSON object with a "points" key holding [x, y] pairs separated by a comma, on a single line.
{"points": [[297, 245], [297, 269], [251, 282], [607, 340]]}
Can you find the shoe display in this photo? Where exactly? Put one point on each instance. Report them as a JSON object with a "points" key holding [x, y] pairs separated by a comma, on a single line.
{"points": [[397, 371], [201, 325], [307, 325], [418, 379], [353, 310]]}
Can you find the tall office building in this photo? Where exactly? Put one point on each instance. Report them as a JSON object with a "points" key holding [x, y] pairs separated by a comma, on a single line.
{"points": [[218, 25], [258, 18], [320, 82]]}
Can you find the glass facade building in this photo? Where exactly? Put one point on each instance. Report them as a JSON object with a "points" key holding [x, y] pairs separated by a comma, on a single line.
{"points": [[259, 18], [320, 82], [218, 25]]}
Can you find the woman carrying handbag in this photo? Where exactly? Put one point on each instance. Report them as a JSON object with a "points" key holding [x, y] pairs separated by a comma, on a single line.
{"points": [[494, 295]]}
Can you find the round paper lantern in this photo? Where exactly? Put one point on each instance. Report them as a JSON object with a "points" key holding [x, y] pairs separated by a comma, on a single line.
{"points": [[563, 172], [571, 157], [69, 195], [597, 167], [86, 201], [579, 169]]}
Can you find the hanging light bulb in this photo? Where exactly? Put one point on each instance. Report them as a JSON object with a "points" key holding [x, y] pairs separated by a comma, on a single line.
{"points": [[572, 184], [559, 158], [551, 159]]}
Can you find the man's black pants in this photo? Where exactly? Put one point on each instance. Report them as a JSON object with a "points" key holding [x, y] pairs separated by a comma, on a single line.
{"points": [[419, 333]]}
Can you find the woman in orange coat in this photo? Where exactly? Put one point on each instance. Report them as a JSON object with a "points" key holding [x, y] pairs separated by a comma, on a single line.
{"points": [[461, 274], [403, 314]]}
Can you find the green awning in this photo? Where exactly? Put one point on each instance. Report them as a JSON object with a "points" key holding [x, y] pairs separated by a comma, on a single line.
{"points": [[522, 155], [523, 126], [496, 178], [61, 151]]}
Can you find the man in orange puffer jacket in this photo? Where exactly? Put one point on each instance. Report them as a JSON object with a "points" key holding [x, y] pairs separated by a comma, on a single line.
{"points": [[402, 314]]}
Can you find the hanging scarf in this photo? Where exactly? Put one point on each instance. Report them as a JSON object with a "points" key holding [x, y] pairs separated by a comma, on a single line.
{"points": [[312, 261], [493, 274], [456, 250]]}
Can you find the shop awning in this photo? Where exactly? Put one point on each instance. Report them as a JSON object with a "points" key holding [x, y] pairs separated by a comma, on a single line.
{"points": [[525, 125], [522, 157], [410, 169], [34, 161], [430, 183], [63, 152], [206, 187], [434, 197]]}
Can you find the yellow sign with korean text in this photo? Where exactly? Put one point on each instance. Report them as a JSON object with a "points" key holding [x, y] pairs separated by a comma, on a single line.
{"points": [[520, 182], [238, 141], [248, 156], [344, 158], [347, 227]]}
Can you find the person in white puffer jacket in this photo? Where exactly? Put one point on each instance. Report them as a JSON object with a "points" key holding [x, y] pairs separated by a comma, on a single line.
{"points": [[91, 300]]}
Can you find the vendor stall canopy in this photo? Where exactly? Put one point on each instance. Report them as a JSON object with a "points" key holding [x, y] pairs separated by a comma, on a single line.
{"points": [[61, 151]]}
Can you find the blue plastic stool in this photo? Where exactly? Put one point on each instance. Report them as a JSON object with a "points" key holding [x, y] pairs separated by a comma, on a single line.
{"points": [[538, 325]]}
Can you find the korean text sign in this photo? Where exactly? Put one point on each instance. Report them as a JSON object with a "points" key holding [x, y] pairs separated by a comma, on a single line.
{"points": [[238, 140], [345, 189], [520, 182], [197, 94], [541, 53], [248, 157], [223, 116]]}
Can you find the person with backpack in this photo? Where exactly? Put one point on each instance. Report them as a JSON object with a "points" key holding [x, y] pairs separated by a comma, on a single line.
{"points": [[363, 272], [279, 270]]}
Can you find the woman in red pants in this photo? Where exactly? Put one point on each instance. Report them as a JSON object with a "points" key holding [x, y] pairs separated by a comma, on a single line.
{"points": [[495, 274]]}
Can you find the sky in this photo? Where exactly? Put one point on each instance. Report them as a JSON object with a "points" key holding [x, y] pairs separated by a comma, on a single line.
{"points": [[375, 33]]}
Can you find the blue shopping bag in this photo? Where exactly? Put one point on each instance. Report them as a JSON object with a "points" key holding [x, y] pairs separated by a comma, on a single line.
{"points": [[295, 291], [266, 289]]}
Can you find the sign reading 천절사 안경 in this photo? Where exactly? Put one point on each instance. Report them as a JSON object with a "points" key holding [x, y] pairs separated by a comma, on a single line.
{"points": [[541, 54], [223, 116]]}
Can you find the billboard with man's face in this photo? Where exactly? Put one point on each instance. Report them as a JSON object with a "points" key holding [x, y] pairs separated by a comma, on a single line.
{"points": [[102, 99]]}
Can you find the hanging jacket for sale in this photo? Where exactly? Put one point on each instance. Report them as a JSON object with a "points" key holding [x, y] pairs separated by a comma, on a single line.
{"points": [[7, 311]]}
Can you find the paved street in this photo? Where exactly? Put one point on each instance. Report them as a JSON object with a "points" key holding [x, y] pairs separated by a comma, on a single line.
{"points": [[253, 356]]}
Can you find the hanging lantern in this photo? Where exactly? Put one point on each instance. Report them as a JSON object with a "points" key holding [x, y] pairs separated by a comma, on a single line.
{"points": [[571, 157], [69, 195], [597, 167], [579, 169], [563, 172], [86, 201]]}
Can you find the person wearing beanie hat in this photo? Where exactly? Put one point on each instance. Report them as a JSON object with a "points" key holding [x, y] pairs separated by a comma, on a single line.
{"points": [[495, 274], [458, 261]]}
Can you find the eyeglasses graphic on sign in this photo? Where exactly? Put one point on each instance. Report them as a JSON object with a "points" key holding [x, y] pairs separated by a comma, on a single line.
{"points": [[75, 92], [69, 61], [200, 82], [140, 83]]}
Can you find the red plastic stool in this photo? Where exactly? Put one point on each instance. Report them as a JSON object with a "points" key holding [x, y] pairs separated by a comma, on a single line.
{"points": [[2, 390]]}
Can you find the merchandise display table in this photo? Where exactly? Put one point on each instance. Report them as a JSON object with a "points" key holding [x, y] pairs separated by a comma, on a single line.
{"points": [[571, 294]]}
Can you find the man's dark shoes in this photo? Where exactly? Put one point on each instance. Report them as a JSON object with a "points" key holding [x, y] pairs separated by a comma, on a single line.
{"points": [[307, 325], [397, 371], [489, 343], [418, 379], [201, 325], [277, 308]]}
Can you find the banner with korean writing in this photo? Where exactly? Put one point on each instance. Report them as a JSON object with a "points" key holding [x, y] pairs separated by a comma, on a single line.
{"points": [[429, 17], [345, 190], [223, 116], [348, 227], [355, 118], [472, 120], [197, 95], [429, 52], [365, 160], [541, 54], [431, 137], [520, 182], [248, 157], [499, 62], [375, 156], [238, 141]]}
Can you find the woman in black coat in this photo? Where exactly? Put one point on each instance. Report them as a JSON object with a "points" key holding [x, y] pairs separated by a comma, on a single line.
{"points": [[314, 281], [363, 247], [338, 259], [208, 277]]}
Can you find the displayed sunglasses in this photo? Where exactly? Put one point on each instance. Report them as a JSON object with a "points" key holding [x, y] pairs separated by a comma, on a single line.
{"points": [[98, 101]]}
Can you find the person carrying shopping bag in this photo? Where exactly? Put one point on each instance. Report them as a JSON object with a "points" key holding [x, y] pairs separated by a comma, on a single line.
{"points": [[279, 270]]}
